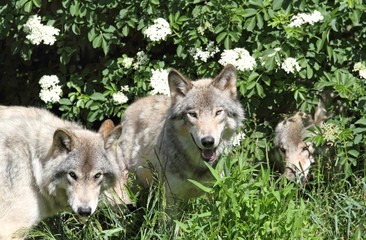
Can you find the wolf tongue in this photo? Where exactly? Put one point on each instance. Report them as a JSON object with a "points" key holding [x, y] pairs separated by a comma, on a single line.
{"points": [[208, 154]]}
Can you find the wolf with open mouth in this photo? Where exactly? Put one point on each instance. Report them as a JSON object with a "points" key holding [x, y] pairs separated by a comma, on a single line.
{"points": [[176, 135]]}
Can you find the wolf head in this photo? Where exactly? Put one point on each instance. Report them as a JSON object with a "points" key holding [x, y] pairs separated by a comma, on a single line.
{"points": [[289, 137], [79, 165], [208, 110]]}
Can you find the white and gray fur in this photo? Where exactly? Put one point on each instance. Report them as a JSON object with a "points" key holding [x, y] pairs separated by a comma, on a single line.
{"points": [[180, 133], [289, 138], [48, 165]]}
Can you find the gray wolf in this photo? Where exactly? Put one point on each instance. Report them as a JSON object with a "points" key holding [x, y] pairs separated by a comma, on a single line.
{"points": [[48, 165], [178, 135], [289, 138]]}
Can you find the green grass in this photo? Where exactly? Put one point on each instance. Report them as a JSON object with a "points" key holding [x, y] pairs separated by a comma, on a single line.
{"points": [[248, 201]]}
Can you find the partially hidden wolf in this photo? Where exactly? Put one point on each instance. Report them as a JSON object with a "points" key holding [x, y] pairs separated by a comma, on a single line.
{"points": [[289, 138], [177, 135], [48, 165]]}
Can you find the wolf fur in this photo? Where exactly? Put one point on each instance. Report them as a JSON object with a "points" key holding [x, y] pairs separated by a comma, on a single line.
{"points": [[177, 135], [48, 165], [289, 138]]}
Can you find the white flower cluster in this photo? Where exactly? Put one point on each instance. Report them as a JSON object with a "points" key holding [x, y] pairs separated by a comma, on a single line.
{"points": [[128, 62], [201, 29], [290, 65], [361, 69], [141, 59], [50, 90], [203, 55], [37, 32], [331, 132], [120, 97], [302, 18], [238, 138], [159, 30], [159, 82], [239, 57]]}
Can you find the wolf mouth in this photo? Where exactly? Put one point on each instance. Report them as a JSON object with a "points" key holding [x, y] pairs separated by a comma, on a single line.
{"points": [[207, 154]]}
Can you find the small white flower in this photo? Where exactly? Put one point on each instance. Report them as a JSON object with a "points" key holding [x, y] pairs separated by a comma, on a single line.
{"points": [[125, 88], [361, 69], [362, 73], [302, 18], [238, 138], [159, 30], [159, 82], [50, 90], [119, 97], [331, 132], [48, 81], [239, 57], [204, 55], [141, 58], [290, 65], [358, 66], [37, 32], [127, 62]]}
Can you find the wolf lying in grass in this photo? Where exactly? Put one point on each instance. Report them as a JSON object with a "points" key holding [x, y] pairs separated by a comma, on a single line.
{"points": [[289, 138], [178, 135], [48, 165]]}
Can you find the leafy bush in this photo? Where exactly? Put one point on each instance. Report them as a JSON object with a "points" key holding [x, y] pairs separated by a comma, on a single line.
{"points": [[289, 54]]}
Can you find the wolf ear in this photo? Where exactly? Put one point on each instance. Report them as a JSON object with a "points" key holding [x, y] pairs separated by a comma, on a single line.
{"points": [[106, 127], [320, 114], [226, 80], [63, 140], [178, 84], [112, 136]]}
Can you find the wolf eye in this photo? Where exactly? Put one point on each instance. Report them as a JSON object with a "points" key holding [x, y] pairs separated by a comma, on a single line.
{"points": [[192, 114], [98, 175], [219, 112], [73, 175]]}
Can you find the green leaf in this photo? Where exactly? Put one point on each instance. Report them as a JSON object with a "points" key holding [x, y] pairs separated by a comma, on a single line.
{"points": [[75, 29], [276, 194], [201, 186], [227, 42], [258, 3], [259, 90], [97, 96], [180, 50], [259, 21], [277, 4], [353, 153], [249, 12], [37, 3], [65, 101], [221, 37], [309, 71], [361, 121], [97, 42], [74, 8], [250, 24], [28, 7]]}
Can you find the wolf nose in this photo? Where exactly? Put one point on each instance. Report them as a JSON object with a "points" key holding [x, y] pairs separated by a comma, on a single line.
{"points": [[208, 142], [84, 211]]}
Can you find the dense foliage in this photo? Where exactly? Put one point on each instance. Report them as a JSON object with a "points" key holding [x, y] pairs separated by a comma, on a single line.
{"points": [[289, 54]]}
